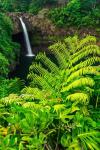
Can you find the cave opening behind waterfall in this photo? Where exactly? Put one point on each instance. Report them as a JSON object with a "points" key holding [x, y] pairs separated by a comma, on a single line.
{"points": [[23, 62]]}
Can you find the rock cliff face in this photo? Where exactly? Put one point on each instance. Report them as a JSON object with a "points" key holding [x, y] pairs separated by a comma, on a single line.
{"points": [[41, 23], [38, 22]]}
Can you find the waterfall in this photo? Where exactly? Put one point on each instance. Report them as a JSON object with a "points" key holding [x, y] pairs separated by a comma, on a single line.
{"points": [[28, 46]]}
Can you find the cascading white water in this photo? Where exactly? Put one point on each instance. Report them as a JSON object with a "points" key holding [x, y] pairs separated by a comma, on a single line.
{"points": [[28, 46]]}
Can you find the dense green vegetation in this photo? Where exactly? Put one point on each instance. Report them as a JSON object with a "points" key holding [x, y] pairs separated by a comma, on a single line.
{"points": [[32, 6], [59, 109], [8, 49], [77, 13], [8, 55], [37, 5]]}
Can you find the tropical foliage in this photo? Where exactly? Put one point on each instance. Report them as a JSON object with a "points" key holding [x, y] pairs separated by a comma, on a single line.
{"points": [[79, 13], [8, 49], [37, 5], [8, 55], [60, 107], [32, 6], [10, 86]]}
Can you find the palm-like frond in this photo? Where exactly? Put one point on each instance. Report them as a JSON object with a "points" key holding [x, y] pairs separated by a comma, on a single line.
{"points": [[60, 53], [38, 69], [59, 47], [91, 140], [87, 49], [33, 93], [71, 44], [89, 40], [47, 62], [78, 84], [88, 140], [80, 97], [82, 54], [78, 59], [89, 62], [12, 98], [38, 81], [82, 72]]}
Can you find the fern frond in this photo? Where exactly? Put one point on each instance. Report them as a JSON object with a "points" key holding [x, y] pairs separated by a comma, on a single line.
{"points": [[83, 55], [15, 85], [90, 61], [12, 98], [31, 105], [48, 63], [38, 81], [83, 71], [97, 68], [60, 47], [33, 93], [79, 83], [87, 50], [91, 139], [60, 57], [48, 78], [86, 41], [38, 69], [71, 44], [80, 97]]}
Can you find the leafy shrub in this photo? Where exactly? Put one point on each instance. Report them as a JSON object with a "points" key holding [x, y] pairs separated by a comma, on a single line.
{"points": [[8, 52], [6, 5], [77, 13], [3, 66], [8, 86], [55, 110], [32, 6], [14, 5], [37, 5]]}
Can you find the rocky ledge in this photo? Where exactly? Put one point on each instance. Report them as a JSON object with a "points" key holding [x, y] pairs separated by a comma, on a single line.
{"points": [[41, 23]]}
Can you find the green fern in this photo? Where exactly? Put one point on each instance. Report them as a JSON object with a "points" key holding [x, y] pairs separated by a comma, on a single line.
{"points": [[39, 80], [78, 72], [78, 84], [89, 140], [59, 52], [47, 62], [82, 72], [84, 53], [89, 62], [71, 44], [61, 91], [87, 49], [81, 97], [38, 69], [33, 93], [12, 98], [61, 48], [89, 40]]}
